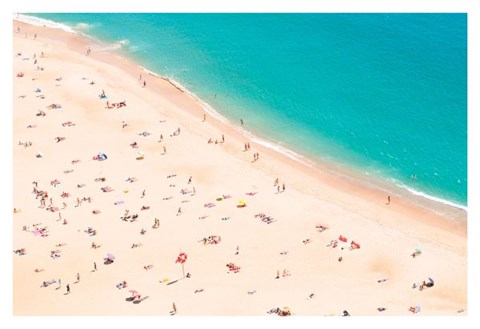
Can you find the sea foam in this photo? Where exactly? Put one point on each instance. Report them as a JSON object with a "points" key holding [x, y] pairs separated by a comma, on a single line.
{"points": [[43, 22]]}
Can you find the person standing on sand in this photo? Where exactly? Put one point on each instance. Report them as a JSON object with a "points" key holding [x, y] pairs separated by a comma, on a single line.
{"points": [[179, 212], [283, 187], [88, 51], [388, 198], [68, 289], [78, 277], [94, 266]]}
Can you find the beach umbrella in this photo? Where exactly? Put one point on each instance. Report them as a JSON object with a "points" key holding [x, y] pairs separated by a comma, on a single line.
{"points": [[102, 156], [110, 257], [134, 292], [182, 258], [430, 282], [241, 203]]}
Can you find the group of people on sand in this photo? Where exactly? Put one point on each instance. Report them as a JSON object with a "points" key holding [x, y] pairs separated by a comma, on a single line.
{"points": [[280, 312], [264, 218], [20, 251], [425, 284], [233, 268], [122, 285], [212, 239], [116, 105], [279, 188]]}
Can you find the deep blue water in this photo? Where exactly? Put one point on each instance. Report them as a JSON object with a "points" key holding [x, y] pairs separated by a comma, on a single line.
{"points": [[383, 93]]}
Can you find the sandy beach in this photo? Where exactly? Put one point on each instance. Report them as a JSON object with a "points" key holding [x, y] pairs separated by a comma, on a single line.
{"points": [[130, 194]]}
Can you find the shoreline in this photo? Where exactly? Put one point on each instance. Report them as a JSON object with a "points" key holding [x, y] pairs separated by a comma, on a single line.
{"points": [[313, 196], [343, 170]]}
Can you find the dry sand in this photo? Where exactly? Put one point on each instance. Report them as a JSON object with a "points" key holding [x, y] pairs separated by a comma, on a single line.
{"points": [[313, 279]]}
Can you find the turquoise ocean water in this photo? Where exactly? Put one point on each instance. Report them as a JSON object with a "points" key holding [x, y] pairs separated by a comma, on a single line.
{"points": [[383, 93]]}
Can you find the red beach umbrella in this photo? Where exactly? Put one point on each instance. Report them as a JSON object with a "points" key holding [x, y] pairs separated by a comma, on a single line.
{"points": [[182, 258]]}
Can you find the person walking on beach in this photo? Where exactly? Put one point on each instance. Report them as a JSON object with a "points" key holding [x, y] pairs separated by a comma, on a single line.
{"points": [[78, 277], [143, 194], [283, 187], [179, 212], [88, 51], [388, 198], [68, 289], [94, 266], [241, 122], [59, 283]]}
